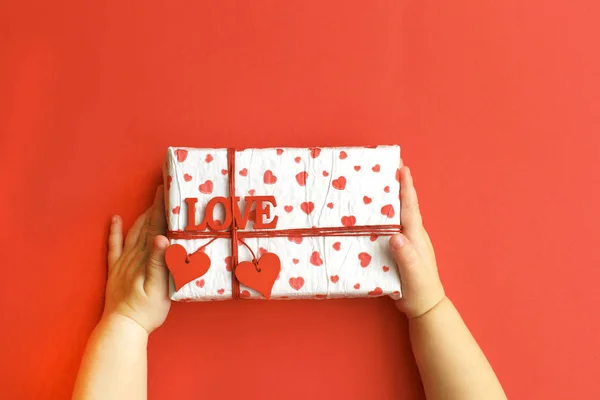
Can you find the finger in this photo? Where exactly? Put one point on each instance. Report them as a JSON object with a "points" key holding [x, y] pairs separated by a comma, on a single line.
{"points": [[410, 213], [135, 230], [157, 275], [115, 240], [405, 255], [158, 223]]}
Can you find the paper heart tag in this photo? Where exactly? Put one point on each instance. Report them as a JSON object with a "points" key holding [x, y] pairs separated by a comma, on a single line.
{"points": [[262, 276], [184, 268]]}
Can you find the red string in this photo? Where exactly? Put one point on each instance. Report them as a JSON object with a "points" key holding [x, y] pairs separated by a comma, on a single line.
{"points": [[235, 284]]}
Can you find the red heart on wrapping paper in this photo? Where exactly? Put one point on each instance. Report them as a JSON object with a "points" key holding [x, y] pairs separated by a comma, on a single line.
{"points": [[297, 159], [251, 192], [386, 189], [373, 238], [181, 154], [315, 259], [343, 155], [184, 268], [295, 239], [334, 278], [365, 259], [376, 292], [330, 205], [301, 178], [297, 283], [307, 207], [223, 172], [314, 152], [349, 220], [357, 286], [176, 210], [209, 158], [269, 178], [376, 168], [262, 251], [260, 277], [228, 263], [187, 177], [206, 187], [320, 296], [279, 152], [295, 260], [357, 168], [200, 283], [367, 200], [388, 211], [288, 209], [244, 172], [244, 294], [221, 291], [339, 183], [337, 246], [385, 268], [325, 173]]}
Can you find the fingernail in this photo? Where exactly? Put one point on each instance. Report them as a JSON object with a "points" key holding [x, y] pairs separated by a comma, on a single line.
{"points": [[397, 241], [114, 219]]}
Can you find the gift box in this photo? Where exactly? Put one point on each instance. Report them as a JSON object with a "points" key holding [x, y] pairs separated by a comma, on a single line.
{"points": [[282, 223]]}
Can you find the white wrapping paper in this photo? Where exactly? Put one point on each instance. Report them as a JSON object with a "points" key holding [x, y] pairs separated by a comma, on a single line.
{"points": [[341, 183]]}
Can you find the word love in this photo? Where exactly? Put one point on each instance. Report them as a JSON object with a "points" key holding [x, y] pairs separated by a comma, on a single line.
{"points": [[262, 206]]}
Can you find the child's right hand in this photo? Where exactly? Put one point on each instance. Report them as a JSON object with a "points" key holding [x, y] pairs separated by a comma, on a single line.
{"points": [[421, 286]]}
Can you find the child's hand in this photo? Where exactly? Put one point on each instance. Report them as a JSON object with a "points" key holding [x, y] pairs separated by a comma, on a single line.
{"points": [[413, 252], [137, 275]]}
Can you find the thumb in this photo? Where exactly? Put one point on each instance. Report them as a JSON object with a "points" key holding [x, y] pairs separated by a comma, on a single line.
{"points": [[404, 253], [157, 275]]}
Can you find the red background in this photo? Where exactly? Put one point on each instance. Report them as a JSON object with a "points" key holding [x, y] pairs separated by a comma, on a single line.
{"points": [[496, 105]]}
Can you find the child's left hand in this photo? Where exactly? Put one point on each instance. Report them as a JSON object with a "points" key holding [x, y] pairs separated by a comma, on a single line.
{"points": [[137, 286]]}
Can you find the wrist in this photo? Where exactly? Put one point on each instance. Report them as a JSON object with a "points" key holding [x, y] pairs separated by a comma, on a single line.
{"points": [[122, 325]]}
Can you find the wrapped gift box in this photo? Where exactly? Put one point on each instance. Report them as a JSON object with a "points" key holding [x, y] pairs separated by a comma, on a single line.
{"points": [[314, 188]]}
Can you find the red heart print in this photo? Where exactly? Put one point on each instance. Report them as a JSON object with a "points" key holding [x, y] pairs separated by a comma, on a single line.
{"points": [[357, 168], [169, 180], [386, 189], [260, 277], [367, 200], [314, 152], [297, 159], [295, 260], [288, 209], [184, 268], [398, 174], [209, 158], [396, 293], [221, 291], [320, 296], [244, 172], [315, 259], [228, 264], [376, 168], [339, 183], [376, 292], [279, 152], [206, 187], [295, 239], [334, 278], [388, 211], [297, 283], [262, 251], [357, 286], [325, 173], [343, 155], [337, 246], [365, 259], [373, 238], [301, 178], [385, 268], [176, 210], [223, 172], [187, 177], [200, 283], [269, 178], [307, 207], [330, 205], [349, 220], [181, 154], [251, 192], [244, 294]]}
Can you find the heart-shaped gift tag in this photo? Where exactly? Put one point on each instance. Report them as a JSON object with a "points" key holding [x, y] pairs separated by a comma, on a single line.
{"points": [[184, 268], [260, 276]]}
